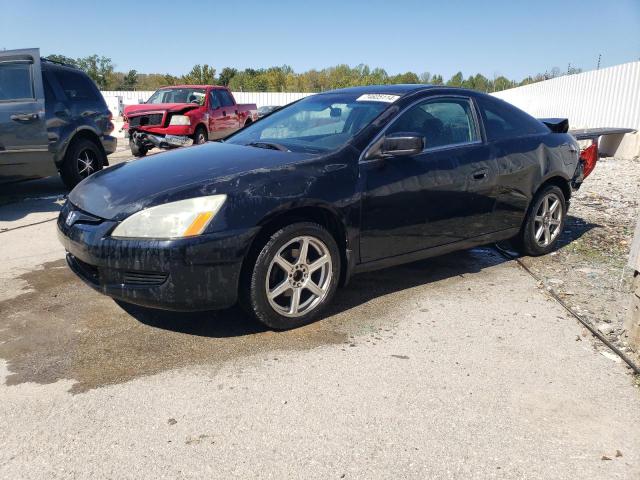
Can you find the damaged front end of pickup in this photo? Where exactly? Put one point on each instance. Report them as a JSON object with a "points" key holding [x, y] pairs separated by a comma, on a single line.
{"points": [[165, 129]]}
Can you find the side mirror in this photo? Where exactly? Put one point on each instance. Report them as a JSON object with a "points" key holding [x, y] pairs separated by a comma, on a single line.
{"points": [[402, 144]]}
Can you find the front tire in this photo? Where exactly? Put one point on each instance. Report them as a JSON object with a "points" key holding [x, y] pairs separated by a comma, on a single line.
{"points": [[294, 277], [544, 222], [200, 136], [137, 150], [83, 158]]}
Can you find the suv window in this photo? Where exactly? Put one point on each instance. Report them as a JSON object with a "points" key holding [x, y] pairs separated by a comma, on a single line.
{"points": [[502, 120], [225, 98], [441, 121], [15, 81], [76, 86]]}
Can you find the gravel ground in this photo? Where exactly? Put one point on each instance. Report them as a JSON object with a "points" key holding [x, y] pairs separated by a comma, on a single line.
{"points": [[590, 269]]}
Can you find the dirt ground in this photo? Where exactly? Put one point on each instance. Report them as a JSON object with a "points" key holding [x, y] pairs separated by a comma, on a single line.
{"points": [[589, 271]]}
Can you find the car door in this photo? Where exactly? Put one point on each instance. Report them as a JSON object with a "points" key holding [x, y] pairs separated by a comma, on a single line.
{"points": [[24, 144], [230, 111], [442, 195], [223, 121]]}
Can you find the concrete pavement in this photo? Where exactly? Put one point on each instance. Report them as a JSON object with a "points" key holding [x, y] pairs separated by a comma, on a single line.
{"points": [[456, 367]]}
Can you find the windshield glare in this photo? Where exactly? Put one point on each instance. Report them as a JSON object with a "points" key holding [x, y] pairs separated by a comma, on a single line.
{"points": [[178, 95], [316, 124]]}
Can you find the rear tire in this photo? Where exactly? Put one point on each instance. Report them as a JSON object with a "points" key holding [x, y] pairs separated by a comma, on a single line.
{"points": [[83, 158], [137, 150], [285, 287], [544, 222]]}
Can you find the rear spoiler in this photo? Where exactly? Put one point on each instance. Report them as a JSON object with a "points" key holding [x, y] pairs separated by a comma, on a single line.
{"points": [[556, 125], [589, 155], [594, 133]]}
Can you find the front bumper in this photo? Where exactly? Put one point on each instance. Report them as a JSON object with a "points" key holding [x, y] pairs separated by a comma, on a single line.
{"points": [[198, 273], [150, 140]]}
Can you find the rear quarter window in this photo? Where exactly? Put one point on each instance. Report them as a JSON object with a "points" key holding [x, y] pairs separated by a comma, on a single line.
{"points": [[502, 120], [76, 86]]}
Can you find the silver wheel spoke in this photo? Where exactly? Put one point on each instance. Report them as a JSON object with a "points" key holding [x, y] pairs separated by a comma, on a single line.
{"points": [[545, 208], [554, 206], [295, 301], [282, 263], [554, 221], [280, 289], [539, 218], [539, 233], [304, 251], [547, 235], [319, 263], [313, 288]]}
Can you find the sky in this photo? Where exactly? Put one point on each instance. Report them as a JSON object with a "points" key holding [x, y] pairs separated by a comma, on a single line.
{"points": [[512, 38]]}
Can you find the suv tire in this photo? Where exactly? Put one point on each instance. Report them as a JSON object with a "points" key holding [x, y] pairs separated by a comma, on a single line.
{"points": [[200, 136], [83, 158], [308, 280]]}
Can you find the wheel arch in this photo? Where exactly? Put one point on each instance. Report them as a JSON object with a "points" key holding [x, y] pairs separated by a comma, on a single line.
{"points": [[560, 182], [81, 134], [320, 214]]}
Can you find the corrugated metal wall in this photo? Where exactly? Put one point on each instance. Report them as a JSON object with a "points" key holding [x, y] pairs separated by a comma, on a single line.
{"points": [[609, 97]]}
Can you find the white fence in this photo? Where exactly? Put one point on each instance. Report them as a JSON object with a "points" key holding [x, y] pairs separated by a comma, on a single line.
{"points": [[609, 97]]}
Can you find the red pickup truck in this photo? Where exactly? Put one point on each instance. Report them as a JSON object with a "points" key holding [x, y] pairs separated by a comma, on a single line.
{"points": [[184, 115]]}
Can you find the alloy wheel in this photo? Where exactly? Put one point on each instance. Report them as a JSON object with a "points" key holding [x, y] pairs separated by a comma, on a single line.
{"points": [[86, 163], [548, 220], [299, 276]]}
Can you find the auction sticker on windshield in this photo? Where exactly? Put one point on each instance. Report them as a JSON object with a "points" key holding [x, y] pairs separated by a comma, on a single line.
{"points": [[377, 97]]}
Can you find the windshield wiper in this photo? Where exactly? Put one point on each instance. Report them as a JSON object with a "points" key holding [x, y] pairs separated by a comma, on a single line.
{"points": [[269, 146]]}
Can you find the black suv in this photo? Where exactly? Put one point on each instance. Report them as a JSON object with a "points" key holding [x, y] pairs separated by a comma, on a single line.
{"points": [[52, 118]]}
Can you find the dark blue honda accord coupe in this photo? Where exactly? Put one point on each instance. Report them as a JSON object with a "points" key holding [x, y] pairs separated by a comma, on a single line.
{"points": [[281, 213]]}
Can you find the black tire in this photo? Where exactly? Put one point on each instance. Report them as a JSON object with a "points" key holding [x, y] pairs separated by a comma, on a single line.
{"points": [[137, 150], [253, 290], [83, 158], [530, 241], [200, 136]]}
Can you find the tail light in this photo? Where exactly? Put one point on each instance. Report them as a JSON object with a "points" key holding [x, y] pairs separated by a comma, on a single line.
{"points": [[110, 126], [590, 157]]}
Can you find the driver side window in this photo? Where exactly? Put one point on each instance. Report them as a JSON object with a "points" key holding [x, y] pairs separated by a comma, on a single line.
{"points": [[441, 122]]}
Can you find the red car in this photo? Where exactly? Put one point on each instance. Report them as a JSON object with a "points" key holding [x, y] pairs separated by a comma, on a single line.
{"points": [[183, 115]]}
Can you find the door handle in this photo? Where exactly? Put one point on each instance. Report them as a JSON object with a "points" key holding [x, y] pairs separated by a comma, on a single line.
{"points": [[24, 117], [480, 174], [236, 112], [224, 114]]}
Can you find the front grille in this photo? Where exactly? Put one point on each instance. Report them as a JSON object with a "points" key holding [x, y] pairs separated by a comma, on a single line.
{"points": [[141, 279], [148, 120]]}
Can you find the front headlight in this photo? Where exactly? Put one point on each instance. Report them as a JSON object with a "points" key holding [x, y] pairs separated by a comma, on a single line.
{"points": [[184, 218], [180, 120]]}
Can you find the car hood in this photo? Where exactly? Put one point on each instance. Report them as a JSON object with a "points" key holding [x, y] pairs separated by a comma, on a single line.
{"points": [[119, 191], [148, 107]]}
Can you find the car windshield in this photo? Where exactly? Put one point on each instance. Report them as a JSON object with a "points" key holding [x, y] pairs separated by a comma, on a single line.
{"points": [[316, 124], [178, 95]]}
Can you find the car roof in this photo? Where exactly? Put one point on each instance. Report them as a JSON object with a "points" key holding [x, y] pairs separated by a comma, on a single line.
{"points": [[396, 89]]}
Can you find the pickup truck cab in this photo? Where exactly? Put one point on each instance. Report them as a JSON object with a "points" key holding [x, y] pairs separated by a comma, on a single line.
{"points": [[183, 115], [52, 119]]}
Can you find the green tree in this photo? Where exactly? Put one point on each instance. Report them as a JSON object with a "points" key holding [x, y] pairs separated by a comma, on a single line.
{"points": [[201, 75], [456, 80], [226, 75], [100, 69], [129, 81]]}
